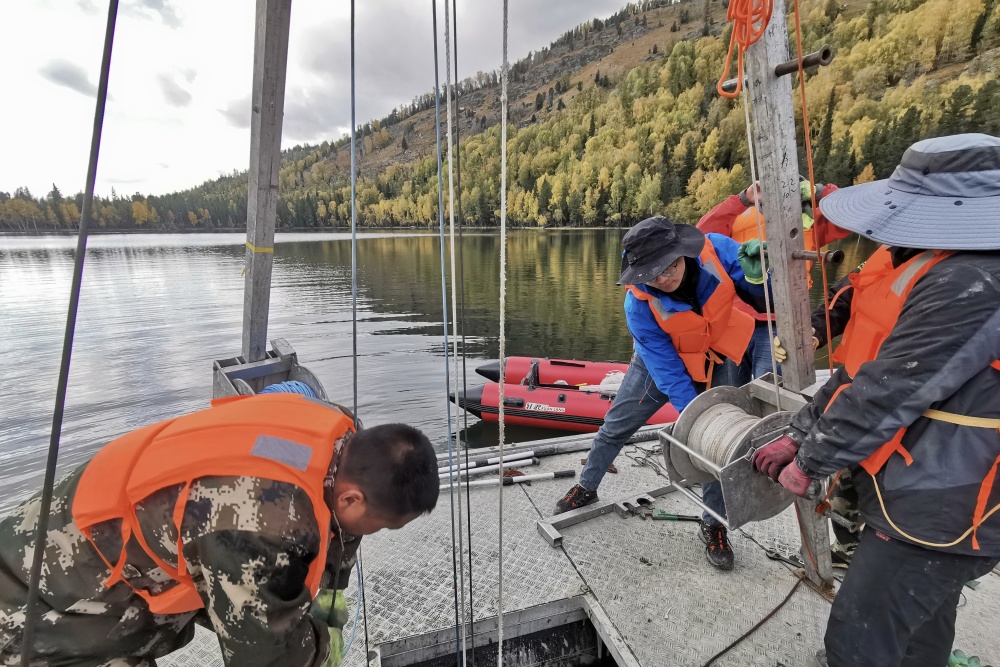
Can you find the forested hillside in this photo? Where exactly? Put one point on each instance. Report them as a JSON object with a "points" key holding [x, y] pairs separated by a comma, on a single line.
{"points": [[616, 120]]}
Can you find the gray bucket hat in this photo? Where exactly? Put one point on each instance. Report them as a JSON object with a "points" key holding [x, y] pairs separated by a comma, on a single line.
{"points": [[944, 195], [652, 245]]}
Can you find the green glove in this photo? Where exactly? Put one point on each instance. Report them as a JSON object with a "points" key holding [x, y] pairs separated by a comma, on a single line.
{"points": [[749, 256], [330, 607], [959, 659], [805, 191]]}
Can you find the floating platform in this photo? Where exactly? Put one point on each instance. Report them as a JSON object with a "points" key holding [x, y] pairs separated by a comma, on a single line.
{"points": [[643, 585]]}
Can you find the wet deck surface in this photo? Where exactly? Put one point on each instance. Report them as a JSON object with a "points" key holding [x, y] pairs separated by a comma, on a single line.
{"points": [[650, 578]]}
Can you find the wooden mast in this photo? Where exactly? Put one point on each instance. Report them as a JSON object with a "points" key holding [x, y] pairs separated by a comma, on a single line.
{"points": [[778, 172], [267, 106]]}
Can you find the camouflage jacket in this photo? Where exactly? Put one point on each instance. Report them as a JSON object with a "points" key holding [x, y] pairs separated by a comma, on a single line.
{"points": [[248, 543]]}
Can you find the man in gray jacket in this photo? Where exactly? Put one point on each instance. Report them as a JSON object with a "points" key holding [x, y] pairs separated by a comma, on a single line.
{"points": [[915, 410]]}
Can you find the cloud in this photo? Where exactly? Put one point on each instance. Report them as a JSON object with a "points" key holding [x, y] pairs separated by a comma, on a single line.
{"points": [[150, 9], [88, 6], [172, 91], [74, 77], [237, 112]]}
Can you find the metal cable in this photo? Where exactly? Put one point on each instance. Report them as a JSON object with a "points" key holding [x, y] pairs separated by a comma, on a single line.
{"points": [[444, 316], [45, 504], [717, 434], [503, 314], [454, 309], [354, 303], [763, 257], [461, 318]]}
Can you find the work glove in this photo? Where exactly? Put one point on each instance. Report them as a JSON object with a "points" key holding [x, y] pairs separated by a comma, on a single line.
{"points": [[795, 481], [749, 256], [771, 458], [330, 608], [780, 353]]}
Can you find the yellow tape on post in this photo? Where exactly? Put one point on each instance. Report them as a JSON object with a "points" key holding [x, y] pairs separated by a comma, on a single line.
{"points": [[256, 249]]}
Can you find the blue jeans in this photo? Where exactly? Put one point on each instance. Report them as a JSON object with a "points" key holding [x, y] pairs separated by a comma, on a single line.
{"points": [[637, 400], [756, 362]]}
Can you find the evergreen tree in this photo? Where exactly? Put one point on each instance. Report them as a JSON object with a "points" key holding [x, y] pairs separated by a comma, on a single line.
{"points": [[824, 143], [954, 119], [986, 109], [403, 145]]}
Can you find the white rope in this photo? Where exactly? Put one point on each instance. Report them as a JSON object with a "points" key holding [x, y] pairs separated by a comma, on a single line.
{"points": [[503, 315], [717, 434], [760, 235], [455, 489]]}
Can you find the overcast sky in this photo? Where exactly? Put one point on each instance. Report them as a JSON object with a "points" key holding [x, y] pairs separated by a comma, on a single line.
{"points": [[178, 109]]}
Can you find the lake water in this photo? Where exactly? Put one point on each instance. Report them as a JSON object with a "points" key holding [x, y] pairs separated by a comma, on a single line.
{"points": [[156, 310]]}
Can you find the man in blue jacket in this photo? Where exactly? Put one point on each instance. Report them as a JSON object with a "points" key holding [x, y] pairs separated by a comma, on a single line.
{"points": [[679, 281]]}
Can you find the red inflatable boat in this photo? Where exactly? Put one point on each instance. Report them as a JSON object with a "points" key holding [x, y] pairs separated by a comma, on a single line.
{"points": [[562, 408], [552, 371]]}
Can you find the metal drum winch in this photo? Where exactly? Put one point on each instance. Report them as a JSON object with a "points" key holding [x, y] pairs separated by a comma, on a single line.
{"points": [[713, 440]]}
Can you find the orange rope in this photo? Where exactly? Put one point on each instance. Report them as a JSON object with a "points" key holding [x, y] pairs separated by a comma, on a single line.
{"points": [[812, 186], [750, 18]]}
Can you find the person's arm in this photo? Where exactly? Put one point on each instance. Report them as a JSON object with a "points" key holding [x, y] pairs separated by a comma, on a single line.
{"points": [[727, 251], [840, 296], [720, 219], [255, 595], [946, 333], [659, 354]]}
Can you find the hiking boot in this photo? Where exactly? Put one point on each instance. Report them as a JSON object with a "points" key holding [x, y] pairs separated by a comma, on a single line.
{"points": [[575, 498], [717, 548]]}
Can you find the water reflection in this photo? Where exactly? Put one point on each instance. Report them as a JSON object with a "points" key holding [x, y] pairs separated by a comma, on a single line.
{"points": [[156, 310]]}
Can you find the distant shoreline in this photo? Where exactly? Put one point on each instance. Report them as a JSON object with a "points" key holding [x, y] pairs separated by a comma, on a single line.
{"points": [[291, 230]]}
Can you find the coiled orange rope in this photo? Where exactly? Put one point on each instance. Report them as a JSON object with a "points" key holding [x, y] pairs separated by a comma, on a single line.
{"points": [[749, 18]]}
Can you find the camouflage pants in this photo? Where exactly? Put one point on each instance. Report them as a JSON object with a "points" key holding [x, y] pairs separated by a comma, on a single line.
{"points": [[844, 501]]}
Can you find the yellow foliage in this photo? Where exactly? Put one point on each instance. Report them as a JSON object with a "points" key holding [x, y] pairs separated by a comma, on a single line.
{"points": [[867, 175]]}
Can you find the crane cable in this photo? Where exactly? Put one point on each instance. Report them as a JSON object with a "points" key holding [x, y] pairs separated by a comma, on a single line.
{"points": [[456, 492], [444, 315], [750, 19], [45, 503], [503, 314]]}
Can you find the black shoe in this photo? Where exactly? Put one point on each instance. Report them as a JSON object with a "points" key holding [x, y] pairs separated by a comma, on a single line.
{"points": [[717, 548], [575, 498]]}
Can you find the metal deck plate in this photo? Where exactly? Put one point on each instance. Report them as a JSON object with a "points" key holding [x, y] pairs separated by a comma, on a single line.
{"points": [[650, 578]]}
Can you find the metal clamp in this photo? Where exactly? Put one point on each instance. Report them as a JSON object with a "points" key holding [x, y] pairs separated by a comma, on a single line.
{"points": [[625, 507]]}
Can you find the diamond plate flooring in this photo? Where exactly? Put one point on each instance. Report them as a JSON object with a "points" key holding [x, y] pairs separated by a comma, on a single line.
{"points": [[650, 577]]}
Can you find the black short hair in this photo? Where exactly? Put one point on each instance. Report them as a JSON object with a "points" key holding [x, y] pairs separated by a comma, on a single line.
{"points": [[395, 467]]}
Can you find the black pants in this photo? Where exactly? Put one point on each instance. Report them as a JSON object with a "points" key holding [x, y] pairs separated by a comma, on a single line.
{"points": [[898, 604]]}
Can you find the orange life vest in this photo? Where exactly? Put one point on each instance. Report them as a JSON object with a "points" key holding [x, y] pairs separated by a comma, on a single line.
{"points": [[745, 229], [283, 437], [719, 330], [879, 294]]}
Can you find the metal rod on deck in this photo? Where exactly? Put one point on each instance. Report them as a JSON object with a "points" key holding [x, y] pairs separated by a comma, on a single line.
{"points": [[700, 503], [711, 464]]}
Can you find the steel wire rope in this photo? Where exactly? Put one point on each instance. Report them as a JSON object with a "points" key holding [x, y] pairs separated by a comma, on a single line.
{"points": [[362, 601], [503, 315], [461, 318], [763, 257], [45, 503], [444, 316], [454, 311]]}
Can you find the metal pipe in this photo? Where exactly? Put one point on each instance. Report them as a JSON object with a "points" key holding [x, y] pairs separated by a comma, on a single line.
{"points": [[824, 56], [842, 520], [509, 481], [508, 465], [827, 256], [700, 503], [711, 464], [490, 461]]}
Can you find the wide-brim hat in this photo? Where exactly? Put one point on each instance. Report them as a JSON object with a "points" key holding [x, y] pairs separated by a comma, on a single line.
{"points": [[652, 245], [944, 195]]}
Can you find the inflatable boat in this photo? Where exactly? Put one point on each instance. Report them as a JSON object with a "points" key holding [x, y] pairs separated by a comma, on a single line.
{"points": [[565, 408], [551, 371]]}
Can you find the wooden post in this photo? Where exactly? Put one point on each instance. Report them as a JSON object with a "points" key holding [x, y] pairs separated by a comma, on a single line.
{"points": [[778, 172], [269, 62]]}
